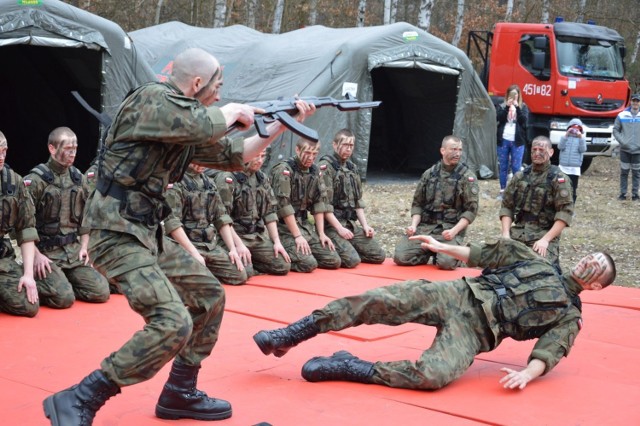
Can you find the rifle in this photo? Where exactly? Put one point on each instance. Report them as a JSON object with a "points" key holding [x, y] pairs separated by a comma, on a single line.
{"points": [[282, 109]]}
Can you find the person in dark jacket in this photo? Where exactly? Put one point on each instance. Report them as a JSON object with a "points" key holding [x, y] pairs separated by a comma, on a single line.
{"points": [[512, 117], [518, 295]]}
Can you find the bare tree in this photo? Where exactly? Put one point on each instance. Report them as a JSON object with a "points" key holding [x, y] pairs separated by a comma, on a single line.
{"points": [[507, 16], [251, 13], [158, 11], [459, 23], [544, 18], [424, 15], [635, 49], [362, 7], [581, 6], [277, 17], [390, 11], [220, 14], [313, 12]]}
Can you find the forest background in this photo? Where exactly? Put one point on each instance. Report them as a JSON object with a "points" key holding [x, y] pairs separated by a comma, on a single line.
{"points": [[450, 20]]}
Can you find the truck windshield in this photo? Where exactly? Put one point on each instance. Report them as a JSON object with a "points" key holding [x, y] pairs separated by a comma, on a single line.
{"points": [[589, 58]]}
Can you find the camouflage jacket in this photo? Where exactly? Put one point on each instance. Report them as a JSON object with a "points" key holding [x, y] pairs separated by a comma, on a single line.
{"points": [[17, 216], [250, 200], [59, 195], [298, 190], [524, 297], [196, 206], [536, 199], [156, 133], [344, 187], [444, 197]]}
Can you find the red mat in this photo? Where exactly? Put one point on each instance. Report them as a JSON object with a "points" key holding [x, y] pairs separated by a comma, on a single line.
{"points": [[598, 384]]}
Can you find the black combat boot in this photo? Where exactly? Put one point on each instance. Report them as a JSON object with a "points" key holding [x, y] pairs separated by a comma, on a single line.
{"points": [[278, 342], [181, 400], [78, 404], [340, 366]]}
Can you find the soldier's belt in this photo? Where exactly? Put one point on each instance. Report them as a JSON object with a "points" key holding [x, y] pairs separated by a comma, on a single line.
{"points": [[5, 247], [432, 218], [48, 243], [135, 205]]}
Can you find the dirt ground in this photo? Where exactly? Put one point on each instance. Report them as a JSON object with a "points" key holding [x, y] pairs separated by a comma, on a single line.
{"points": [[601, 222]]}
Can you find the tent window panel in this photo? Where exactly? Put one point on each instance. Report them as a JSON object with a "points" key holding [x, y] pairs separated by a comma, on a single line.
{"points": [[417, 112], [38, 99]]}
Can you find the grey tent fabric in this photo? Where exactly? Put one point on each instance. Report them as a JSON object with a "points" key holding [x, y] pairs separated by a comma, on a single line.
{"points": [[48, 49], [428, 88]]}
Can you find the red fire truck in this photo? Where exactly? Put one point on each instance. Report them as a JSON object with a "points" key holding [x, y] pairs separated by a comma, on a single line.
{"points": [[565, 70]]}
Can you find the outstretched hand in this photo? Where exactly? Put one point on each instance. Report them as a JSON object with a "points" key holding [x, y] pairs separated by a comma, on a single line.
{"points": [[429, 243]]}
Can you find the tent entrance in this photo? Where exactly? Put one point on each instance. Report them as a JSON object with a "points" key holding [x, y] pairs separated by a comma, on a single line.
{"points": [[38, 81], [418, 110]]}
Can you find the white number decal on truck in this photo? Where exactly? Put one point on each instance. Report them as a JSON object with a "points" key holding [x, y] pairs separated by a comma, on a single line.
{"points": [[537, 89]]}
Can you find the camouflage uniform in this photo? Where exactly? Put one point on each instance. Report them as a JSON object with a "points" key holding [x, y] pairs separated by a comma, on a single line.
{"points": [[17, 217], [519, 295], [90, 176], [156, 133], [252, 204], [59, 195], [442, 198], [196, 206], [534, 200], [344, 191], [300, 192]]}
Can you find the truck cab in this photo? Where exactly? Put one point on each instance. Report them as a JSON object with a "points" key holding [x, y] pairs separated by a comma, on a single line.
{"points": [[565, 70]]}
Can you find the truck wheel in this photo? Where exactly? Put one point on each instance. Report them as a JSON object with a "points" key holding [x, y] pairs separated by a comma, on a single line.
{"points": [[586, 162]]}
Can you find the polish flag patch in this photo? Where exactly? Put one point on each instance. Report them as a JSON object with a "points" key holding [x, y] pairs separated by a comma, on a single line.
{"points": [[472, 179], [91, 175], [228, 180], [286, 172], [169, 186], [561, 180], [323, 167], [27, 182]]}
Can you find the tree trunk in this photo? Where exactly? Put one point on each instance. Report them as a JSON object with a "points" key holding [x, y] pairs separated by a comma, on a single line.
{"points": [[251, 13], [507, 16], [362, 7], [635, 50], [158, 11], [220, 14], [394, 11], [277, 17], [545, 12], [459, 23], [424, 15], [581, 6], [386, 17], [313, 12]]}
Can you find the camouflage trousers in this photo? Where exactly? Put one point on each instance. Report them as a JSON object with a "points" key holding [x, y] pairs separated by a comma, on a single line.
{"points": [[410, 253], [12, 302], [320, 257], [448, 305], [219, 263], [529, 238], [262, 255], [359, 248], [181, 303], [70, 279]]}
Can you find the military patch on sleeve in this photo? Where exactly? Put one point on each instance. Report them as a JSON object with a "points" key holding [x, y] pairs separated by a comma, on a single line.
{"points": [[564, 193], [472, 179], [91, 175], [323, 167], [228, 179], [169, 186], [27, 182], [561, 180], [286, 172], [579, 323]]}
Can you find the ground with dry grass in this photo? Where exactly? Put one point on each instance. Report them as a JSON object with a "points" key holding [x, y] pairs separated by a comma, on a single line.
{"points": [[601, 223]]}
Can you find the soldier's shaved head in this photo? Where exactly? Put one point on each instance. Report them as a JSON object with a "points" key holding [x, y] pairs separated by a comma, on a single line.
{"points": [[3, 140], [59, 135], [194, 62]]}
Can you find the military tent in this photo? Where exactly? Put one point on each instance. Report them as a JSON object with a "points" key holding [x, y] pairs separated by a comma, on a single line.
{"points": [[428, 88], [47, 50]]}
